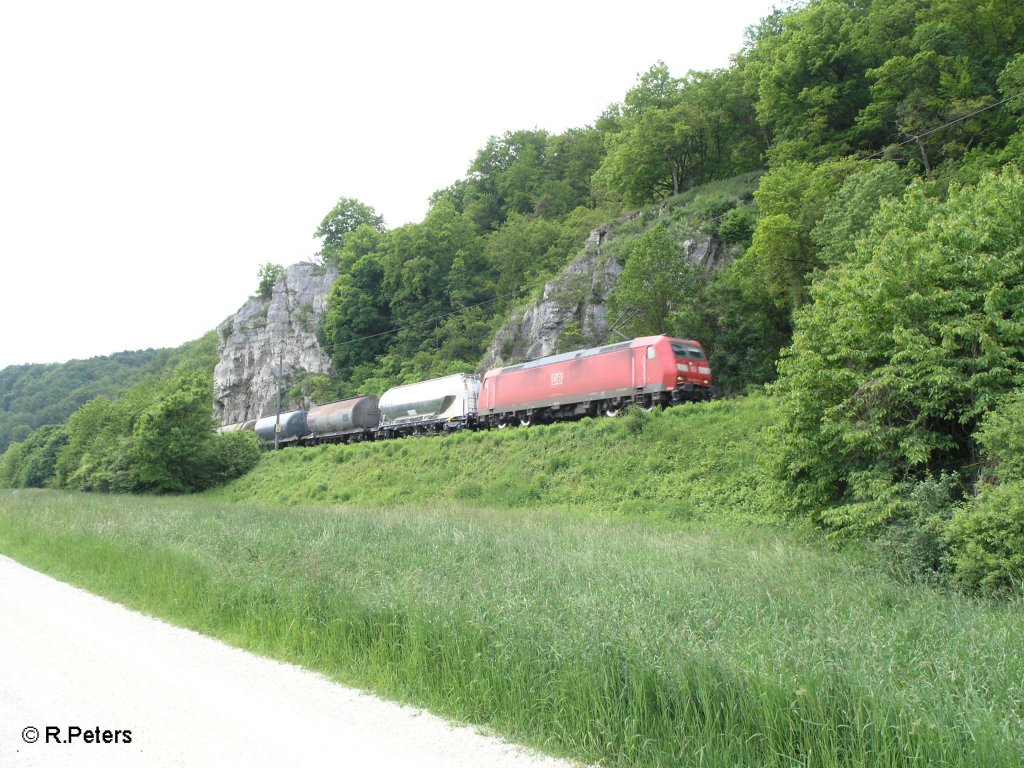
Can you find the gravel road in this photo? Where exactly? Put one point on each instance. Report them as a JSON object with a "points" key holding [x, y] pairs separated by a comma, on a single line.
{"points": [[69, 659]]}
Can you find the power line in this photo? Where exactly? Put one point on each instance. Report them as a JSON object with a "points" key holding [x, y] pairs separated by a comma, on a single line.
{"points": [[920, 136], [425, 321]]}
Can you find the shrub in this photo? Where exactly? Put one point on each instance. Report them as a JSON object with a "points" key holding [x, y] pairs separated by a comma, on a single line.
{"points": [[737, 227], [986, 539], [905, 348], [986, 536], [31, 464]]}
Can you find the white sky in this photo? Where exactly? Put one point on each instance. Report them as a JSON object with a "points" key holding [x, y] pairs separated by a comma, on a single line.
{"points": [[153, 155]]}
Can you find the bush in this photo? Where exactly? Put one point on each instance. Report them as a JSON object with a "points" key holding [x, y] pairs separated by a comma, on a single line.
{"points": [[905, 348], [737, 227], [986, 540], [32, 463], [986, 536]]}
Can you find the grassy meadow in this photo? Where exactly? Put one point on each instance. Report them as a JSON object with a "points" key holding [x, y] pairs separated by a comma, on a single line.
{"points": [[623, 641]]}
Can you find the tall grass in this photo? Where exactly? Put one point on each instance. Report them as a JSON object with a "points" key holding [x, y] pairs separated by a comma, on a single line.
{"points": [[626, 641], [693, 461]]}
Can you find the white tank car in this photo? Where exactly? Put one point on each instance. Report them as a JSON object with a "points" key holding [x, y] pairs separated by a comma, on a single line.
{"points": [[430, 406], [241, 425]]}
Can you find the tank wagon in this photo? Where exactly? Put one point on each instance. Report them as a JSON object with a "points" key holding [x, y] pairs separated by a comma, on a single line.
{"points": [[426, 407], [648, 371], [249, 425], [343, 421], [293, 427]]}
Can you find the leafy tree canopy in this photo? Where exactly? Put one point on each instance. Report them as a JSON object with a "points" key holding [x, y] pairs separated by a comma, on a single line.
{"points": [[905, 348], [268, 276], [346, 216]]}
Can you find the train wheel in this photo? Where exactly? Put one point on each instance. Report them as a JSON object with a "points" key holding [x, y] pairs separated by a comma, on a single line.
{"points": [[504, 424], [612, 410], [525, 421]]}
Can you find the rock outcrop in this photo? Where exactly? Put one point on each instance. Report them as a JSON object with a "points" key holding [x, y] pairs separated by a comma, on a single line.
{"points": [[572, 303], [266, 334], [571, 313]]}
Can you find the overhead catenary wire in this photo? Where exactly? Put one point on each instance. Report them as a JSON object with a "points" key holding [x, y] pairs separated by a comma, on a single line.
{"points": [[929, 132]]}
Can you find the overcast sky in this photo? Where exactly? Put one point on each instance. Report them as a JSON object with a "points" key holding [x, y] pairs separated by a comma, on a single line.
{"points": [[153, 155]]}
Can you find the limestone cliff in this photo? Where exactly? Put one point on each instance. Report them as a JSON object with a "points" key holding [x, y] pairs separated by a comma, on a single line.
{"points": [[571, 312], [266, 333], [574, 301]]}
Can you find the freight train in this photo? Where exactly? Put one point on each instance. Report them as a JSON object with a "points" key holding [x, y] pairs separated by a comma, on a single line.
{"points": [[650, 371]]}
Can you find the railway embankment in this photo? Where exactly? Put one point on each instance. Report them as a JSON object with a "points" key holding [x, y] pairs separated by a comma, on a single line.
{"points": [[696, 461]]}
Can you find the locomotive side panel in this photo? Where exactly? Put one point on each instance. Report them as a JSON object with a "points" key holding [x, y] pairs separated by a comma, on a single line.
{"points": [[562, 382]]}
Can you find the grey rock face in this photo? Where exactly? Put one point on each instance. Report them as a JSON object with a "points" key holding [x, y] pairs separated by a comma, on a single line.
{"points": [[705, 253], [578, 295], [575, 302], [264, 331]]}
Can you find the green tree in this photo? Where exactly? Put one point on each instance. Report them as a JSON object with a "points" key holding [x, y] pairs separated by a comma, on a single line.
{"points": [[791, 199], [741, 328], [986, 535], [353, 330], [654, 280], [174, 447], [268, 276], [418, 259], [848, 212], [678, 132], [907, 345], [506, 177], [570, 160], [808, 67], [346, 216]]}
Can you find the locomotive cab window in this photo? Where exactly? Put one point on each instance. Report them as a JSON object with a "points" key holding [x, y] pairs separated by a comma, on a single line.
{"points": [[650, 353], [687, 351]]}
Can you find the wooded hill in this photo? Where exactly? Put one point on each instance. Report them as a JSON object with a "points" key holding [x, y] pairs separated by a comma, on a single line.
{"points": [[884, 252], [34, 395]]}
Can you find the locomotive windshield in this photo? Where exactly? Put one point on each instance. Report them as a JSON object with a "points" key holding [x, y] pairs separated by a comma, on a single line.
{"points": [[687, 351]]}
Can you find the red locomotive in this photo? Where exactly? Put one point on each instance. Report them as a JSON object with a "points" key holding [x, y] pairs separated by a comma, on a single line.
{"points": [[647, 371]]}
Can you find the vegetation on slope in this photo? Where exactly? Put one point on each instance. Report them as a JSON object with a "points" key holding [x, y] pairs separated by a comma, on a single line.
{"points": [[903, 351], [155, 437], [32, 396], [695, 461]]}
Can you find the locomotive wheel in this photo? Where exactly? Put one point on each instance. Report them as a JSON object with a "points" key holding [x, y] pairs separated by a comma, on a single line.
{"points": [[504, 424], [611, 411], [525, 421]]}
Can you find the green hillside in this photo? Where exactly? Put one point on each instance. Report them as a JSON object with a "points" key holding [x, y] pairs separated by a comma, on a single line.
{"points": [[34, 395], [694, 461]]}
